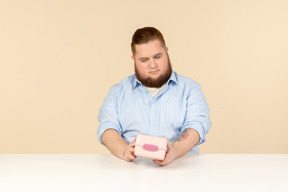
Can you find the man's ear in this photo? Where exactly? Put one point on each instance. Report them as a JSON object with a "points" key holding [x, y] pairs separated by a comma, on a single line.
{"points": [[132, 57], [167, 49]]}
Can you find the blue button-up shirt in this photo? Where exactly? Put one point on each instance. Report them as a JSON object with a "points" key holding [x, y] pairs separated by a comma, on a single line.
{"points": [[130, 109]]}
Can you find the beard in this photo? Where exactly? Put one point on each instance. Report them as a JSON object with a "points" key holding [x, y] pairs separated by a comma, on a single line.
{"points": [[157, 83]]}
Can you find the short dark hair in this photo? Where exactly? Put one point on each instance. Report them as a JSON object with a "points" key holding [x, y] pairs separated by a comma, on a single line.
{"points": [[144, 35]]}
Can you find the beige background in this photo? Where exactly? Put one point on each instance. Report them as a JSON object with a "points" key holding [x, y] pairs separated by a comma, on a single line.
{"points": [[58, 60]]}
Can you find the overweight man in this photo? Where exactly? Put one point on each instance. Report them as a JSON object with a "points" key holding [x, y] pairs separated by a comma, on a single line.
{"points": [[154, 101]]}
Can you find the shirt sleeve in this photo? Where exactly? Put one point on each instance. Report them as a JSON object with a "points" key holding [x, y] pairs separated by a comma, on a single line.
{"points": [[197, 114], [108, 113]]}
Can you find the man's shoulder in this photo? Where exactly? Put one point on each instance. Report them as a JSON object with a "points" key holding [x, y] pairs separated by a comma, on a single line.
{"points": [[186, 81], [125, 83]]}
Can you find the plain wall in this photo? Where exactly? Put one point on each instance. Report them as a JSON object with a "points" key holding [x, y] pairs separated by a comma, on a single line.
{"points": [[59, 58]]}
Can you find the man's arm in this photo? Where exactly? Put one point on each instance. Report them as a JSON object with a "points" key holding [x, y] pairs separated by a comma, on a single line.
{"points": [[184, 143], [117, 146], [196, 125]]}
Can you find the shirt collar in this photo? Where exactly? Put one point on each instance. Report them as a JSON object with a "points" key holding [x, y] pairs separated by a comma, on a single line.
{"points": [[173, 78], [135, 82]]}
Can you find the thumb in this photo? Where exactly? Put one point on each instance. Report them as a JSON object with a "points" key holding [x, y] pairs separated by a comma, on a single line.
{"points": [[133, 142]]}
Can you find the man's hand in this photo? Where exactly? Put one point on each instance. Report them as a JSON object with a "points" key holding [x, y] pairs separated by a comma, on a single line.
{"points": [[117, 146], [128, 154], [185, 142], [169, 157]]}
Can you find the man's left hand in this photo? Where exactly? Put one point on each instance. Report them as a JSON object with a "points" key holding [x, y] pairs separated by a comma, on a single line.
{"points": [[169, 157]]}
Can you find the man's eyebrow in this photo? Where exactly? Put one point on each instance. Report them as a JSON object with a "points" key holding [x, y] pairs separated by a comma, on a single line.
{"points": [[142, 58], [158, 54]]}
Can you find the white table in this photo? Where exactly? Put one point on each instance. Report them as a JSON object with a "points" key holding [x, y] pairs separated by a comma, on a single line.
{"points": [[104, 172]]}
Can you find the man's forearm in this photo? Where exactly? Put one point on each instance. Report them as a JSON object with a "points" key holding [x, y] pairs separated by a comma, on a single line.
{"points": [[114, 143], [185, 142]]}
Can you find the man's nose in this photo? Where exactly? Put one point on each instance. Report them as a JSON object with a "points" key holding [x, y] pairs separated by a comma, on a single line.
{"points": [[153, 64]]}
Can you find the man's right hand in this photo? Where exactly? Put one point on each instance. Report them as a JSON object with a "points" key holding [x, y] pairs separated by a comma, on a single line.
{"points": [[128, 154], [117, 146]]}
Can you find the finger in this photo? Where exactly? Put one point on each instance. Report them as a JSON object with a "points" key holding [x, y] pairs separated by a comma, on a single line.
{"points": [[131, 157], [131, 153], [168, 146], [133, 143], [156, 161], [159, 162]]}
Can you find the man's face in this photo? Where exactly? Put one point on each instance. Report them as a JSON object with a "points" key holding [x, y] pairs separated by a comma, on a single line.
{"points": [[152, 64]]}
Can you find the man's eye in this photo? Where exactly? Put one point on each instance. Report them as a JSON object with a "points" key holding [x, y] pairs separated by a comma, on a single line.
{"points": [[143, 60]]}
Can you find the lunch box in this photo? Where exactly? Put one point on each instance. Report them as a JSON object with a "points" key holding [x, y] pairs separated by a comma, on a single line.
{"points": [[150, 147]]}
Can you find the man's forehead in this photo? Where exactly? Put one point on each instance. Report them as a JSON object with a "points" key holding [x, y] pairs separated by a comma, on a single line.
{"points": [[150, 48]]}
